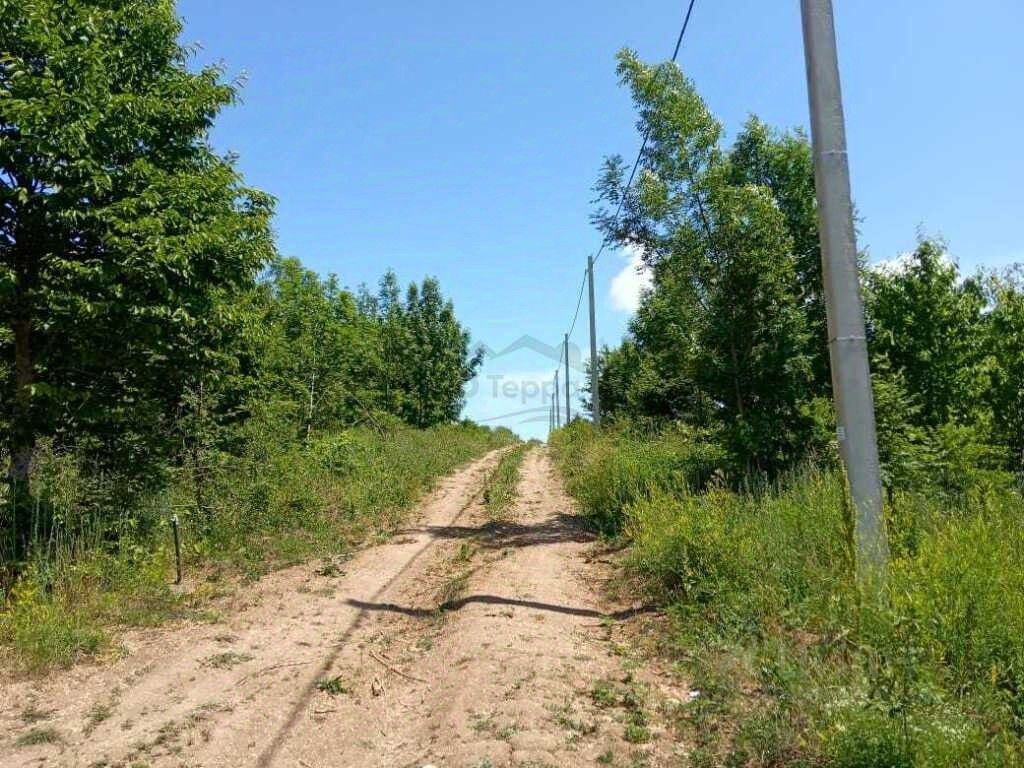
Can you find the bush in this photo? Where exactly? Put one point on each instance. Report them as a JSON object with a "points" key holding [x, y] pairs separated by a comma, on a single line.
{"points": [[764, 605], [606, 475]]}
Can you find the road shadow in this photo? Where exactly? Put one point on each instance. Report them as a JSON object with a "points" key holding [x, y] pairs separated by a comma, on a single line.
{"points": [[560, 529], [455, 605]]}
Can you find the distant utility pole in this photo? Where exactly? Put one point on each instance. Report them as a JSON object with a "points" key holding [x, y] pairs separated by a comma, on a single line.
{"points": [[568, 415], [595, 396], [848, 350]]}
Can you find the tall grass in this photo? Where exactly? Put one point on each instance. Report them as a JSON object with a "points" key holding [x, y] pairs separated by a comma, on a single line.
{"points": [[793, 665], [606, 479], [96, 566]]}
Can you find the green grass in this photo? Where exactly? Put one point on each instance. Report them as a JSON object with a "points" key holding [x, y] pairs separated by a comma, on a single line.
{"points": [[332, 686], [452, 590], [273, 503], [793, 665], [606, 476], [38, 736], [500, 492], [98, 713]]}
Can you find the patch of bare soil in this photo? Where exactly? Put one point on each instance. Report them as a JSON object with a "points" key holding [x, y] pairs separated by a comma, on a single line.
{"points": [[463, 642]]}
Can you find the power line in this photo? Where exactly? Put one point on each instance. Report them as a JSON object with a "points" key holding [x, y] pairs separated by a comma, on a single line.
{"points": [[629, 183], [579, 303], [647, 133]]}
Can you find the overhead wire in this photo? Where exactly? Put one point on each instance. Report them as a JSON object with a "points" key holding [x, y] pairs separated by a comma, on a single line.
{"points": [[622, 199], [579, 303], [647, 133]]}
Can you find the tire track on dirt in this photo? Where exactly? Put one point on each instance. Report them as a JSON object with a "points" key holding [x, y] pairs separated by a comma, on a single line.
{"points": [[463, 642], [506, 671]]}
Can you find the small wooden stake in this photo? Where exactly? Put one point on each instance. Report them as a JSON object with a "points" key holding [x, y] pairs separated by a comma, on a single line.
{"points": [[177, 546]]}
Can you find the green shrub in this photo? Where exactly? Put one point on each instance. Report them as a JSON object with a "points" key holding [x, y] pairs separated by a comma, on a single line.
{"points": [[760, 589], [607, 475]]}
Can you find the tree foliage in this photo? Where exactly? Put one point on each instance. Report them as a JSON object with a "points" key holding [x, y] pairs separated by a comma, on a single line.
{"points": [[1004, 347], [725, 325], [927, 325], [334, 358], [147, 324], [123, 236], [732, 336]]}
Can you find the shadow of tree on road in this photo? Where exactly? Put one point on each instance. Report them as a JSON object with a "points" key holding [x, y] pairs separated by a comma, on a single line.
{"points": [[560, 529], [455, 605]]}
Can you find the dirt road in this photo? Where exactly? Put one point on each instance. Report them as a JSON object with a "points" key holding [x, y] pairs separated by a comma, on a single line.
{"points": [[462, 642]]}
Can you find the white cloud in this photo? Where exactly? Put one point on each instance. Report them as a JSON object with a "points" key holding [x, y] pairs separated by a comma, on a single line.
{"points": [[898, 265], [629, 286]]}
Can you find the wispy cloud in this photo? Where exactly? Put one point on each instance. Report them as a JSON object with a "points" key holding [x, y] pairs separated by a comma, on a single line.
{"points": [[898, 265], [630, 284]]}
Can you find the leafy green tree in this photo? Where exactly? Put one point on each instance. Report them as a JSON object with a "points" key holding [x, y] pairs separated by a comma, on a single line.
{"points": [[432, 356], [724, 317], [123, 235], [394, 342], [1004, 345], [320, 357], [782, 162], [632, 386], [927, 326], [331, 359]]}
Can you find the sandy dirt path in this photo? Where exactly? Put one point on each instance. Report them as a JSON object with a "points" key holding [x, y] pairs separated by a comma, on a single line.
{"points": [[463, 642]]}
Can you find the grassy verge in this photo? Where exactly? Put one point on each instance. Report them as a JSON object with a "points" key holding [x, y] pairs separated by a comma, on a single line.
{"points": [[274, 505], [792, 666], [501, 487]]}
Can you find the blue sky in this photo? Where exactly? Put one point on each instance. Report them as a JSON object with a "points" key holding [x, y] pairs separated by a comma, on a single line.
{"points": [[461, 139]]}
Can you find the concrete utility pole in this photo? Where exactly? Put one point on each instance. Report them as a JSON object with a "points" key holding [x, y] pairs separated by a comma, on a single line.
{"points": [[595, 396], [568, 414], [851, 376], [558, 394]]}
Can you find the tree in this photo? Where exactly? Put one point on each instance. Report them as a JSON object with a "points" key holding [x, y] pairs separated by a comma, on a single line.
{"points": [[926, 325], [631, 385], [782, 162], [430, 354], [724, 318], [320, 352], [123, 235], [1004, 345], [331, 359]]}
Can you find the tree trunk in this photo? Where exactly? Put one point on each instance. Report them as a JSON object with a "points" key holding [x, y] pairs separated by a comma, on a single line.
{"points": [[198, 465], [736, 374], [312, 395]]}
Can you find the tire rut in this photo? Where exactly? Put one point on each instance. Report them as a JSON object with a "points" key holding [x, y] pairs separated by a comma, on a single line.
{"points": [[463, 642]]}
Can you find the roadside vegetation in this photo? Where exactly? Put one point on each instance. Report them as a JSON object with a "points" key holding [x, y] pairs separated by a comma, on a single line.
{"points": [[791, 665], [718, 470], [273, 505], [160, 358]]}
